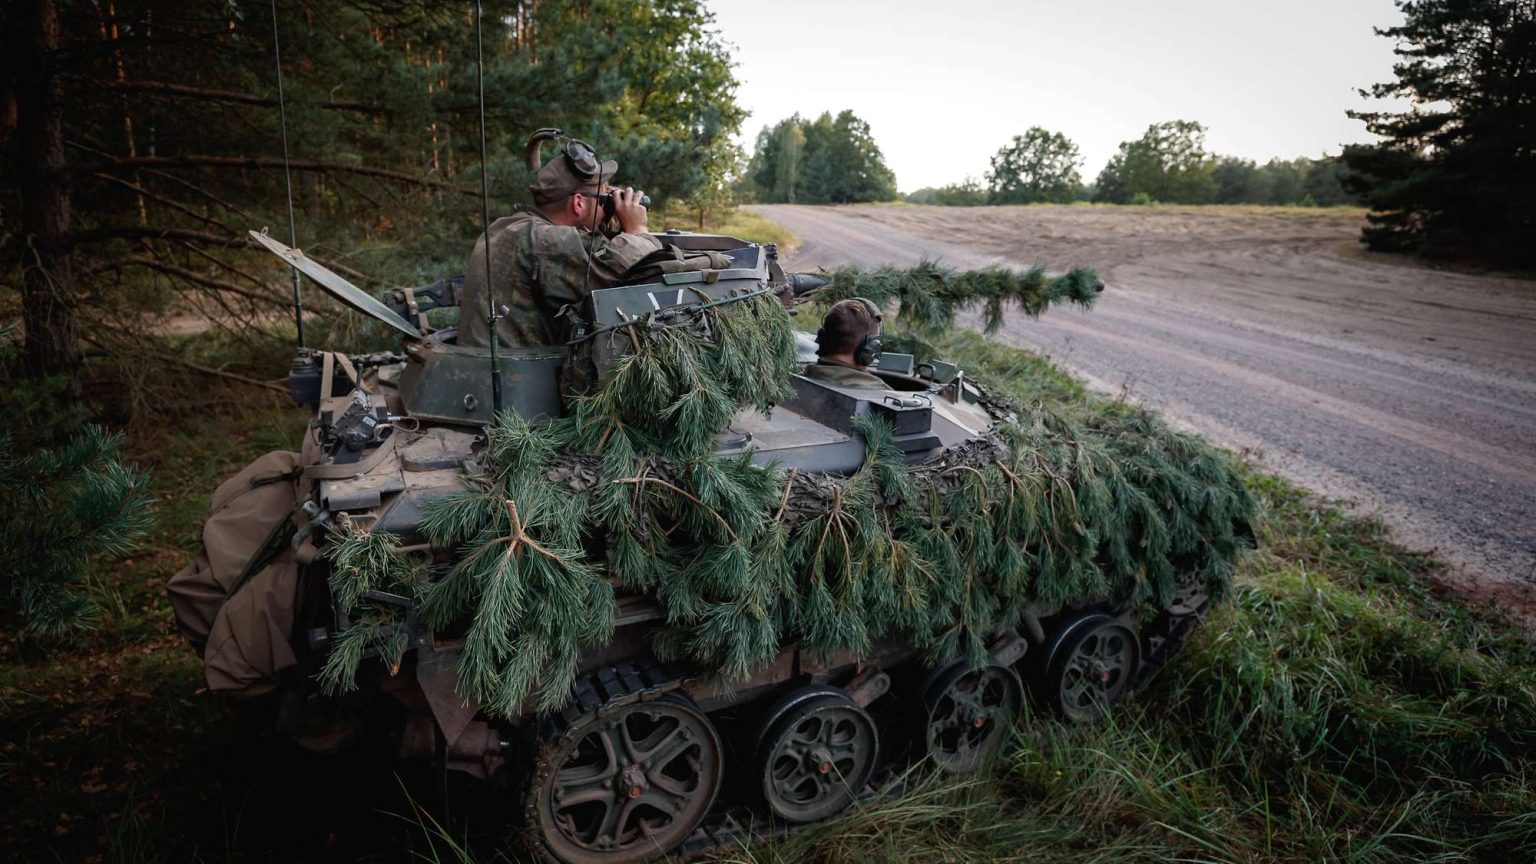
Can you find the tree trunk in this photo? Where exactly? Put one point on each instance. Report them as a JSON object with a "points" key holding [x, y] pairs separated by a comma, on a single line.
{"points": [[52, 329]]}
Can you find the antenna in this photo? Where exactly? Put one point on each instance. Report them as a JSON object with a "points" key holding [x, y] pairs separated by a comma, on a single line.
{"points": [[485, 221], [293, 232]]}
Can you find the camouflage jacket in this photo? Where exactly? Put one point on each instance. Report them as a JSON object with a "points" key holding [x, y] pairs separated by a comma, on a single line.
{"points": [[539, 267], [839, 375]]}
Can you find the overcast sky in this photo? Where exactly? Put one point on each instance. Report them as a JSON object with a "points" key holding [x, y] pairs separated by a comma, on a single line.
{"points": [[945, 84]]}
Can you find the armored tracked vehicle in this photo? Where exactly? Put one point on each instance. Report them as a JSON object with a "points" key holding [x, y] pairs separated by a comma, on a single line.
{"points": [[641, 758]]}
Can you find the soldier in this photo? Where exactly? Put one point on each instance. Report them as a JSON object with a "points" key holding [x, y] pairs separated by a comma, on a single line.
{"points": [[848, 341], [539, 255]]}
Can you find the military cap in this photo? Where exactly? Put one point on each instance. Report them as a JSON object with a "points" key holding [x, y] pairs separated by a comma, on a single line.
{"points": [[558, 179]]}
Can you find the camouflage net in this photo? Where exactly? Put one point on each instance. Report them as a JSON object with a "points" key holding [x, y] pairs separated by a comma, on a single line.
{"points": [[1109, 505]]}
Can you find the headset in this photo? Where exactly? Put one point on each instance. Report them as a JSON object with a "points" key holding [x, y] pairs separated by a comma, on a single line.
{"points": [[869, 347], [578, 153], [582, 159]]}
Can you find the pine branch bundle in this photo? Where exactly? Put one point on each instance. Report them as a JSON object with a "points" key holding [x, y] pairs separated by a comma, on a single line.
{"points": [[683, 382], [626, 494], [524, 579], [59, 509], [364, 561], [931, 294]]}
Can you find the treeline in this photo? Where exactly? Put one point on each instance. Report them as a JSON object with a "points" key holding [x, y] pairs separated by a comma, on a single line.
{"points": [[831, 160], [1455, 174], [142, 138], [1168, 164]]}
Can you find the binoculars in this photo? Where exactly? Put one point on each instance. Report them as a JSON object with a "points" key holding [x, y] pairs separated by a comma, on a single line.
{"points": [[605, 201]]}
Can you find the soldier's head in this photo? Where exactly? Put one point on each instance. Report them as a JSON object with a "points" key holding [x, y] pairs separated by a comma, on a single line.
{"points": [[567, 187], [850, 333]]}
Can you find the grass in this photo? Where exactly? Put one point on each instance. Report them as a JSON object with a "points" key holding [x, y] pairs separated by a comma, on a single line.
{"points": [[1335, 709]]}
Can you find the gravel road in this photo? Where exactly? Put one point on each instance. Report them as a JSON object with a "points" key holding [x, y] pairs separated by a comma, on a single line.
{"points": [[1407, 391]]}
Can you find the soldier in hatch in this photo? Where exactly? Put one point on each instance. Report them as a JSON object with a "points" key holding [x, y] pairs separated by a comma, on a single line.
{"points": [[848, 341], [540, 255]]}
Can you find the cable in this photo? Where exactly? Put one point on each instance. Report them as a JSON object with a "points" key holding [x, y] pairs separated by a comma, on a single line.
{"points": [[485, 219], [586, 281], [293, 231]]}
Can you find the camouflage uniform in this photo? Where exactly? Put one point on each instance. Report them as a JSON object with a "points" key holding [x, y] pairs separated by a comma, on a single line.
{"points": [[838, 375], [540, 267]]}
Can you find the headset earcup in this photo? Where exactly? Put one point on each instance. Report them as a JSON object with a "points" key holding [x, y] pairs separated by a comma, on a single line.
{"points": [[868, 350]]}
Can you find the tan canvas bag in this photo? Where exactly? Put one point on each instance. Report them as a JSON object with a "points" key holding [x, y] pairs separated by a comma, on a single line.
{"points": [[241, 616]]}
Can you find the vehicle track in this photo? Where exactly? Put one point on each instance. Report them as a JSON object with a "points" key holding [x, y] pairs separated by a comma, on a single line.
{"points": [[1409, 392]]}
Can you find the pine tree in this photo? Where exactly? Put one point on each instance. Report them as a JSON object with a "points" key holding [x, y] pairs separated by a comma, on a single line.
{"points": [[1456, 173], [61, 509], [67, 499]]}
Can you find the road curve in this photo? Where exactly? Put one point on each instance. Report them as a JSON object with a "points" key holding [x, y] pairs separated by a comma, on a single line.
{"points": [[1409, 392]]}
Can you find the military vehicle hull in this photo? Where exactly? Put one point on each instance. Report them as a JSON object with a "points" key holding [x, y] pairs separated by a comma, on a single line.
{"points": [[648, 759]]}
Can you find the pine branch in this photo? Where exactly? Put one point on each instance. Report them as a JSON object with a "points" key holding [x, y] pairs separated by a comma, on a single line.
{"points": [[61, 509], [123, 163], [930, 294], [165, 88]]}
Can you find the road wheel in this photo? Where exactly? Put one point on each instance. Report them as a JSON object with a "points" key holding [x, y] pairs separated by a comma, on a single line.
{"points": [[626, 783], [969, 712], [1091, 666], [1191, 594], [817, 753]]}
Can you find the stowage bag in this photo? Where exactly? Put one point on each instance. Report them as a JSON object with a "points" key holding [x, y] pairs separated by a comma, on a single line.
{"points": [[236, 601]]}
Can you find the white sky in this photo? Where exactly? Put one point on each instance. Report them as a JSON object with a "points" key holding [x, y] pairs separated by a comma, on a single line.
{"points": [[945, 84]]}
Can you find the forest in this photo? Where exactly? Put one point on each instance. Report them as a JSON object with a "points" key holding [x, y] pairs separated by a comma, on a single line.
{"points": [[156, 140]]}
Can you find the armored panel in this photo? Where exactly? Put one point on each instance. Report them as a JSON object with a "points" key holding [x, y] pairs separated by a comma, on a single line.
{"points": [[898, 364], [451, 383], [612, 307], [700, 242], [910, 415]]}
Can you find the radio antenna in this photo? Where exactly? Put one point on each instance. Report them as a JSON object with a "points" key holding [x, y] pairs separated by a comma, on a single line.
{"points": [[293, 231], [485, 219]]}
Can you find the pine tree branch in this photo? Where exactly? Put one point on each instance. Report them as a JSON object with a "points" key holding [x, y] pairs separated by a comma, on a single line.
{"points": [[519, 536], [789, 485], [188, 275], [646, 478], [198, 367], [265, 163], [135, 232], [154, 196], [166, 88], [191, 236]]}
